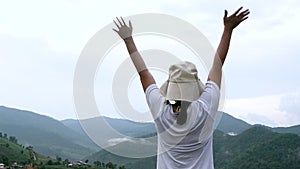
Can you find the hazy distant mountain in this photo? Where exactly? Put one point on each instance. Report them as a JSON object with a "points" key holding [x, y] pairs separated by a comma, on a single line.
{"points": [[123, 126], [47, 135], [228, 124], [292, 129]]}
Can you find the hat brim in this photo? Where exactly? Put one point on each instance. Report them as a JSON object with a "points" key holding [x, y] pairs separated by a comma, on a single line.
{"points": [[189, 91]]}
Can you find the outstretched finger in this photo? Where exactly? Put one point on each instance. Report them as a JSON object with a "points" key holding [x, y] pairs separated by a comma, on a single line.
{"points": [[123, 21], [115, 30], [244, 13], [130, 25], [119, 22], [225, 13], [244, 18], [116, 24], [236, 12]]}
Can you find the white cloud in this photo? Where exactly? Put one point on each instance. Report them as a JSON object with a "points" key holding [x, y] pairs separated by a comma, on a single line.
{"points": [[290, 104], [270, 110]]}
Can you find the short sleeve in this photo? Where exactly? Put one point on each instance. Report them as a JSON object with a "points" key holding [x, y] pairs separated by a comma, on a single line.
{"points": [[155, 100], [210, 98]]}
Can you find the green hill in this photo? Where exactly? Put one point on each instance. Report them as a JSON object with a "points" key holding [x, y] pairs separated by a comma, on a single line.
{"points": [[292, 129], [129, 163], [227, 148], [47, 135], [10, 152], [280, 152], [13, 155]]}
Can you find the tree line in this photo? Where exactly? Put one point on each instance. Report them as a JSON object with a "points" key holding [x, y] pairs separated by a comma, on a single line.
{"points": [[12, 139]]}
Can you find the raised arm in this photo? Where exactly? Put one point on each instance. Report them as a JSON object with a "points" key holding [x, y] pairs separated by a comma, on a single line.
{"points": [[125, 32], [230, 23]]}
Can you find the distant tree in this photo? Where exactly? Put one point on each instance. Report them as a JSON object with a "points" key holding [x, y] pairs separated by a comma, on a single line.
{"points": [[22, 152], [4, 160], [7, 145], [66, 162], [5, 136], [13, 139], [110, 165], [29, 148], [0, 134], [122, 167], [86, 161], [42, 167], [50, 162], [32, 157], [58, 159], [97, 163]]}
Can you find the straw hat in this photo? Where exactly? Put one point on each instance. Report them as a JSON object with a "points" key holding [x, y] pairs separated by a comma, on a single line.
{"points": [[183, 83]]}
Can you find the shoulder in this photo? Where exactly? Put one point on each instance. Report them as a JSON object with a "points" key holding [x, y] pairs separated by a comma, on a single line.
{"points": [[153, 92], [211, 89], [155, 100], [210, 96], [151, 88], [213, 85]]}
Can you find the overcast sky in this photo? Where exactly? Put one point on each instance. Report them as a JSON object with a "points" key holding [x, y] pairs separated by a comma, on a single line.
{"points": [[40, 42]]}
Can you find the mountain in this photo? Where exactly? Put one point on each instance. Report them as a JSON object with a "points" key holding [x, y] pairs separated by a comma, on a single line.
{"points": [[227, 148], [292, 129], [67, 139], [48, 136], [123, 126], [134, 163], [255, 148], [230, 124]]}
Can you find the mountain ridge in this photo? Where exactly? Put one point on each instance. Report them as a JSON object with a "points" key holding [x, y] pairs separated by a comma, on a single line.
{"points": [[48, 136], [67, 139]]}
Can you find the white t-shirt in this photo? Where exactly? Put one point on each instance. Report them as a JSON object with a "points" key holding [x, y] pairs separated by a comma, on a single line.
{"points": [[186, 146]]}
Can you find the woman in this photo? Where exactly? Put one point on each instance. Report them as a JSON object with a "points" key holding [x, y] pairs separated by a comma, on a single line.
{"points": [[183, 108]]}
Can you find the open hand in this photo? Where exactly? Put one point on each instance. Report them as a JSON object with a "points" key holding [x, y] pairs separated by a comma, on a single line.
{"points": [[236, 18], [124, 30]]}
